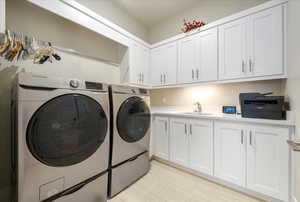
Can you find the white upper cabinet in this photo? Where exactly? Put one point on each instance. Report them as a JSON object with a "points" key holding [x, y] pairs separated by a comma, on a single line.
{"points": [[187, 60], [161, 142], [157, 67], [268, 161], [201, 146], [230, 152], [164, 61], [198, 57], [179, 137], [265, 43], [2, 16], [207, 55], [252, 46], [232, 50], [145, 60], [139, 64]]}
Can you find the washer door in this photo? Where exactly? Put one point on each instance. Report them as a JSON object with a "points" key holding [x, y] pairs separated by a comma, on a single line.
{"points": [[66, 130], [133, 119]]}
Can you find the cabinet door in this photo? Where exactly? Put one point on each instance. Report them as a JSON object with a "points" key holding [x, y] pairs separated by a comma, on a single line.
{"points": [[170, 58], [207, 52], [145, 61], [268, 161], [179, 141], [265, 42], [135, 63], [157, 66], [201, 146], [230, 150], [232, 49], [187, 60], [162, 137]]}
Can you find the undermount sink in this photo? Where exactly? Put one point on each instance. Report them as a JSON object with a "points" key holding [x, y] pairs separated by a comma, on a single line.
{"points": [[199, 113]]}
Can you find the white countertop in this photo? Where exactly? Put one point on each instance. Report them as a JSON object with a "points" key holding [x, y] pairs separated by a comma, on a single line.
{"points": [[218, 116]]}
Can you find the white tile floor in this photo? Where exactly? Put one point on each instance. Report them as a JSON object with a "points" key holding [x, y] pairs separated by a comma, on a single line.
{"points": [[167, 184]]}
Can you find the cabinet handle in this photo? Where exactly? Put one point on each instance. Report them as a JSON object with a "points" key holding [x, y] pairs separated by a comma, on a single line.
{"points": [[185, 129], [142, 78], [166, 127], [242, 136], [197, 72], [164, 78], [250, 65], [191, 129], [243, 66], [250, 138], [193, 74], [161, 78]]}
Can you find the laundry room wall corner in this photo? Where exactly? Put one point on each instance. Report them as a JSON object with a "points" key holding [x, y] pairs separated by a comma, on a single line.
{"points": [[7, 74]]}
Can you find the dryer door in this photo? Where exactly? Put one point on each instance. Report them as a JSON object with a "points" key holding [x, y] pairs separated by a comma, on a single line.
{"points": [[66, 130], [133, 119]]}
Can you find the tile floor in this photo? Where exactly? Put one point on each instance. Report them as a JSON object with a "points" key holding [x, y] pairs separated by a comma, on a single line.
{"points": [[167, 184]]}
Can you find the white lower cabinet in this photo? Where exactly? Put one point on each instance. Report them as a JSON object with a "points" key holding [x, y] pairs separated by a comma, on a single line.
{"points": [[201, 146], [253, 156], [161, 137], [192, 144], [230, 152], [179, 138], [268, 161]]}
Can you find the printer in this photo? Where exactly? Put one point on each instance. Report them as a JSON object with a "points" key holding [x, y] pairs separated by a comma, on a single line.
{"points": [[262, 106]]}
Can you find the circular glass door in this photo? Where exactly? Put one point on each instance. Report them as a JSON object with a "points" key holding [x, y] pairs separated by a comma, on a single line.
{"points": [[133, 119], [66, 130]]}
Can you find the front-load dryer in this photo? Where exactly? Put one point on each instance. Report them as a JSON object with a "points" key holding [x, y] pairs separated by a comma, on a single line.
{"points": [[130, 135], [60, 138]]}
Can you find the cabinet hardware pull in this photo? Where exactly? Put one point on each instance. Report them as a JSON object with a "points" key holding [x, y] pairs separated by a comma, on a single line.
{"points": [[250, 65], [242, 137], [243, 66], [161, 78], [185, 129], [250, 138], [191, 129], [164, 78], [193, 74], [197, 72]]}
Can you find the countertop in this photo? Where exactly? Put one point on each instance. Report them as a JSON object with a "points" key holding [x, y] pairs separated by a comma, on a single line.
{"points": [[222, 117]]}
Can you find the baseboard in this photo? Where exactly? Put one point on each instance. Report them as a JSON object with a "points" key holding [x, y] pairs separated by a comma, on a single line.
{"points": [[255, 195]]}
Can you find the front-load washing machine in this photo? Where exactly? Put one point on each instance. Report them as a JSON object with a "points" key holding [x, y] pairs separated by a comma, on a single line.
{"points": [[130, 136], [60, 139]]}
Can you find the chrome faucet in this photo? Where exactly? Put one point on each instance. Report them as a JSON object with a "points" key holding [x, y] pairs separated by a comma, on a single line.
{"points": [[198, 107]]}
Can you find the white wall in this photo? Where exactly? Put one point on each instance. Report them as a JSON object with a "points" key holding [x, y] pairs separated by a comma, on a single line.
{"points": [[111, 11], [293, 82], [208, 11], [22, 16]]}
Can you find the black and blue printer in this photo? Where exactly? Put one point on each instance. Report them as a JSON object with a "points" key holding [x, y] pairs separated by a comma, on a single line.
{"points": [[263, 106]]}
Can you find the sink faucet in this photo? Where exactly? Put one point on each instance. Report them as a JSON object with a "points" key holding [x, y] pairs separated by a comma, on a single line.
{"points": [[198, 107]]}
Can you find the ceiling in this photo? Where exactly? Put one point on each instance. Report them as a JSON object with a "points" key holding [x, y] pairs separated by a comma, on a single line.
{"points": [[151, 12]]}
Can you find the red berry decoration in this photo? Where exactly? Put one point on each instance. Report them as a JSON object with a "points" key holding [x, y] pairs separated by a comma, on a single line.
{"points": [[189, 26]]}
